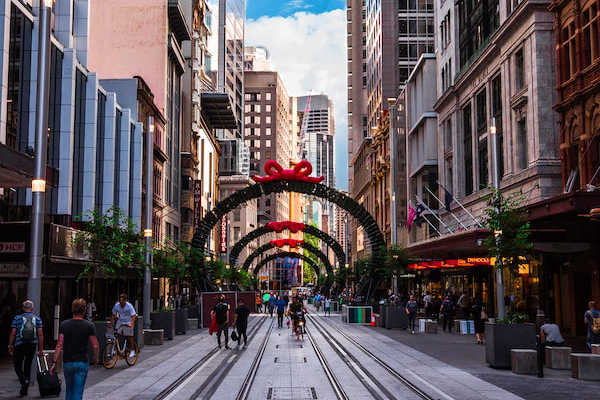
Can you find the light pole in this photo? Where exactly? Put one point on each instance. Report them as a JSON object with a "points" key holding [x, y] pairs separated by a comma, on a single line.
{"points": [[38, 184], [497, 234], [393, 134], [148, 221]]}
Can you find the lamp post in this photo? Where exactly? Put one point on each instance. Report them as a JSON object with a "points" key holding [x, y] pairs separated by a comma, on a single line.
{"points": [[392, 135], [38, 184], [148, 220], [497, 234]]}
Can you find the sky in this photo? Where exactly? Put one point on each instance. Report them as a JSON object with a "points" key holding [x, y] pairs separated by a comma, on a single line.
{"points": [[307, 43]]}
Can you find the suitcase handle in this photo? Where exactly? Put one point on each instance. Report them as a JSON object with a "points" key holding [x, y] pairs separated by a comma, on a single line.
{"points": [[39, 365]]}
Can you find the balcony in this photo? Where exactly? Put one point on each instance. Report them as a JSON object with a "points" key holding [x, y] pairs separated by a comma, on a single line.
{"points": [[159, 146]]}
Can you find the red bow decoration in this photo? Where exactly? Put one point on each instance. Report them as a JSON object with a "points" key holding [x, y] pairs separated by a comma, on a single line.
{"points": [[293, 227], [286, 242], [276, 172]]}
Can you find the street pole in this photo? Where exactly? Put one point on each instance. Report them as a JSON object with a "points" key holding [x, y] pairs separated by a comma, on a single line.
{"points": [[393, 134], [148, 221], [497, 234], [38, 184]]}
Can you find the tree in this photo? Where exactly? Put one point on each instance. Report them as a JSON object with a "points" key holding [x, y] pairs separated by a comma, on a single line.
{"points": [[113, 244], [309, 273], [507, 221]]}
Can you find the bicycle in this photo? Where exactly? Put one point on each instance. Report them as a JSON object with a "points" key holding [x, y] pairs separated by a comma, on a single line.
{"points": [[113, 351]]}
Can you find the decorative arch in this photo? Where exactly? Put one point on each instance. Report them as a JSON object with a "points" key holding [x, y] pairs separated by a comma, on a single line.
{"points": [[297, 181], [284, 254], [306, 246], [294, 227]]}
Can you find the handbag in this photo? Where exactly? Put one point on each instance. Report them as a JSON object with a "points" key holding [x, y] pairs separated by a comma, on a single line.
{"points": [[213, 326], [234, 336], [483, 315]]}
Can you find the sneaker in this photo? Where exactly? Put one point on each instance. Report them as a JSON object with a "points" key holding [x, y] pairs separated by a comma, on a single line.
{"points": [[227, 348], [132, 354]]}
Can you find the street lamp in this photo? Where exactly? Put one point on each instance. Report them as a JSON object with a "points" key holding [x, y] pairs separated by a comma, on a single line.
{"points": [[38, 184], [498, 233], [393, 134], [148, 220]]}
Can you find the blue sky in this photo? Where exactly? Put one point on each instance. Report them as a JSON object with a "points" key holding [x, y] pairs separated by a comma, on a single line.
{"points": [[285, 8], [307, 44]]}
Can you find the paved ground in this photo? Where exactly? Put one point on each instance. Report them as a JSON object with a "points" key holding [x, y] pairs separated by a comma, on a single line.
{"points": [[449, 367]]}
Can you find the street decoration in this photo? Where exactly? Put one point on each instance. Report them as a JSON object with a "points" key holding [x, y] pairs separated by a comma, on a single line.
{"points": [[283, 254], [286, 242], [306, 246], [291, 226], [300, 172]]}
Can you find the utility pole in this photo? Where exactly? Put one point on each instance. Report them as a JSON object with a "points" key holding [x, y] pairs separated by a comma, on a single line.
{"points": [[497, 234], [392, 136], [148, 219], [38, 184]]}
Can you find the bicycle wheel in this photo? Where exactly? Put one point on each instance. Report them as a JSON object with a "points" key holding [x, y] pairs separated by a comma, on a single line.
{"points": [[109, 356], [132, 360]]}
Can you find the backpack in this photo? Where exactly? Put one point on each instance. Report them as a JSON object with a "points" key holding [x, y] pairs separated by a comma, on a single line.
{"points": [[595, 324], [27, 332]]}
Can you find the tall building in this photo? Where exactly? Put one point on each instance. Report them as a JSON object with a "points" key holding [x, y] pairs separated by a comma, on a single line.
{"points": [[256, 58], [341, 232], [268, 135]]}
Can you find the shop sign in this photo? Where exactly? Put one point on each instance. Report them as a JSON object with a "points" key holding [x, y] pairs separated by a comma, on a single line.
{"points": [[197, 201], [6, 269], [479, 260], [223, 238], [12, 247]]}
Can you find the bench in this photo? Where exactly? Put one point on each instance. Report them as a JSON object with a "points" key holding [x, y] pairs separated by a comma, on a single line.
{"points": [[431, 327], [558, 357], [585, 366], [523, 361], [596, 349], [154, 337], [193, 323]]}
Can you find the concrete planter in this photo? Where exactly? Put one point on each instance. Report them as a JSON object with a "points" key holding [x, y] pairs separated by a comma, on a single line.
{"points": [[193, 311], [164, 320], [394, 317], [501, 338], [181, 321]]}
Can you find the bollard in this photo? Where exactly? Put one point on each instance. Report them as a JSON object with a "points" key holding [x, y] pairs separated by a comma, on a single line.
{"points": [[540, 355]]}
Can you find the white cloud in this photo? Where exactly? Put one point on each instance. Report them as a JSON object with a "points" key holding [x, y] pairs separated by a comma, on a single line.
{"points": [[309, 51]]}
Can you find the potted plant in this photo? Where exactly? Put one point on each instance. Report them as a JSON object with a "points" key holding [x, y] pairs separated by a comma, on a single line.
{"points": [[164, 319], [510, 245]]}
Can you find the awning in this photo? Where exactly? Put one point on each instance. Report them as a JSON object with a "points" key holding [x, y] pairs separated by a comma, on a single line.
{"points": [[217, 110], [457, 245]]}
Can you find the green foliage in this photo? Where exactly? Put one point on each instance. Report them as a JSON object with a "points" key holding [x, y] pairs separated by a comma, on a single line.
{"points": [[112, 243], [513, 318], [309, 273], [506, 220]]}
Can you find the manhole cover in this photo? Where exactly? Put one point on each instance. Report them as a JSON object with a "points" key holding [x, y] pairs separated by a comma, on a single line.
{"points": [[293, 360], [292, 393]]}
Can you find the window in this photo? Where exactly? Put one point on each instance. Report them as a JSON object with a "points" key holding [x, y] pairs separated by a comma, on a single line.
{"points": [[268, 96], [267, 143], [247, 96], [448, 134], [267, 119], [589, 22], [268, 108], [79, 147], [497, 115], [236, 233], [519, 70], [268, 131], [258, 97], [236, 215], [482, 135], [467, 150], [247, 108], [257, 108], [522, 151], [567, 51]]}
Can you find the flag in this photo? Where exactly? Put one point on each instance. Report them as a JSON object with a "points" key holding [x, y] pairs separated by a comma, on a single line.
{"points": [[448, 198], [414, 215], [418, 217]]}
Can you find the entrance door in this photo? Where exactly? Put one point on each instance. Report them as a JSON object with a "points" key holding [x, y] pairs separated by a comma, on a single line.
{"points": [[583, 291]]}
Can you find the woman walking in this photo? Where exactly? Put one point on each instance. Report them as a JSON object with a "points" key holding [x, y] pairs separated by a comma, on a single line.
{"points": [[479, 318]]}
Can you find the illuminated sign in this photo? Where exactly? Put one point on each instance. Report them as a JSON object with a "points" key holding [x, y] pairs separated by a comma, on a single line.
{"points": [[223, 241], [12, 247]]}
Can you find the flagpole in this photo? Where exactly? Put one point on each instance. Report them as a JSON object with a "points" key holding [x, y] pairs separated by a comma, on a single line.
{"points": [[431, 225], [439, 201], [461, 206], [436, 217]]}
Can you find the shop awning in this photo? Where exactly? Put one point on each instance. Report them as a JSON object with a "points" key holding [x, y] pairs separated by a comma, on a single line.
{"points": [[216, 107], [452, 246]]}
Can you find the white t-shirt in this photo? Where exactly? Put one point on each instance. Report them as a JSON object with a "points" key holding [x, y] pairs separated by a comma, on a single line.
{"points": [[125, 313], [552, 333], [327, 303]]}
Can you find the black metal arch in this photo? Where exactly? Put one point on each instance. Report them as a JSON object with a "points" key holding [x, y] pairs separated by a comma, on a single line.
{"points": [[374, 235], [234, 254], [284, 254], [305, 246]]}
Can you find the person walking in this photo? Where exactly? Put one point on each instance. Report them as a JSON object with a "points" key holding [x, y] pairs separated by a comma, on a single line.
{"points": [[479, 317], [258, 303], [126, 316], [220, 313], [592, 321], [427, 304], [280, 304], [327, 306], [272, 303], [464, 302], [447, 311], [240, 321], [73, 337], [26, 334], [411, 310]]}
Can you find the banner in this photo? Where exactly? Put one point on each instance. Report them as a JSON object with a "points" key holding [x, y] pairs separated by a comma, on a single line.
{"points": [[223, 237], [197, 201]]}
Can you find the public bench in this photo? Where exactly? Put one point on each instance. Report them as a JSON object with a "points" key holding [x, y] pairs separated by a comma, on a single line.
{"points": [[585, 366], [154, 337], [558, 357], [523, 361]]}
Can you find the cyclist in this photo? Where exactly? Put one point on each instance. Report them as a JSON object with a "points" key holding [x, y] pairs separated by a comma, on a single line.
{"points": [[125, 314], [296, 308]]}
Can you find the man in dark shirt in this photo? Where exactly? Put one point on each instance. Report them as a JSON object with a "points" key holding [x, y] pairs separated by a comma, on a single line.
{"points": [[74, 335], [280, 304], [220, 313], [240, 320]]}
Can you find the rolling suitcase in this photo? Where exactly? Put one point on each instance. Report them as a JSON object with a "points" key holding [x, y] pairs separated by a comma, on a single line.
{"points": [[49, 384]]}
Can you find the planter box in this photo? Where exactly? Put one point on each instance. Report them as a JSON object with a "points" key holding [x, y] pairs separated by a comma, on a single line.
{"points": [[164, 320], [181, 321], [138, 331], [193, 311], [502, 338], [394, 317], [101, 328]]}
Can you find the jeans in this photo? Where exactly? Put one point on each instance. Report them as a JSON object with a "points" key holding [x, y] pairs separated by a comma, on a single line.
{"points": [[75, 376], [448, 321], [279, 319], [241, 331], [23, 358], [412, 317]]}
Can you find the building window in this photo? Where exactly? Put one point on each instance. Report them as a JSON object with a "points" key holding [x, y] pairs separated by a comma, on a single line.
{"points": [[79, 146], [267, 119], [267, 96], [519, 70], [589, 22], [567, 51], [268, 108], [497, 115], [268, 131], [237, 215], [448, 134], [267, 143], [100, 149], [482, 135], [468, 150], [522, 151], [117, 172]]}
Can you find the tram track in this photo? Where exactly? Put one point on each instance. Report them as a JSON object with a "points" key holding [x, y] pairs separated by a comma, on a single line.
{"points": [[371, 383], [249, 379]]}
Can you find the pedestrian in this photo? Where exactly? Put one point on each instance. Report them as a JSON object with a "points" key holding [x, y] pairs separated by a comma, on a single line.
{"points": [[286, 298], [327, 306], [479, 317], [26, 334], [280, 304], [447, 311], [464, 302], [258, 303], [550, 334], [272, 301], [220, 313], [73, 337], [427, 304], [411, 310], [592, 320], [240, 321]]}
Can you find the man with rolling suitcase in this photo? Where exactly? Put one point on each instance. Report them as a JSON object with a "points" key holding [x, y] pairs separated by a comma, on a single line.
{"points": [[26, 334]]}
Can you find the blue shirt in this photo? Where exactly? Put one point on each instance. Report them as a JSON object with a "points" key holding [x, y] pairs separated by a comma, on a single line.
{"points": [[125, 313], [590, 315], [272, 301], [281, 305], [17, 323]]}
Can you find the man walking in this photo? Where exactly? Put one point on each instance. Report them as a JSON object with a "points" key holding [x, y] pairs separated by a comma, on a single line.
{"points": [[220, 313], [26, 334], [240, 321], [280, 311], [74, 336], [327, 306], [592, 320], [447, 311], [125, 315], [411, 310], [272, 303]]}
